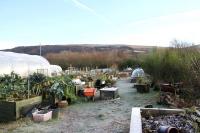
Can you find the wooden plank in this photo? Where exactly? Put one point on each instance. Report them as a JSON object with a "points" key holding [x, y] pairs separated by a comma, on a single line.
{"points": [[136, 122], [7, 111], [26, 102], [160, 111], [10, 111]]}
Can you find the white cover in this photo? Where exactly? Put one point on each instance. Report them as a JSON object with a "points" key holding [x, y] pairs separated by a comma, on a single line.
{"points": [[138, 72], [23, 64], [109, 89]]}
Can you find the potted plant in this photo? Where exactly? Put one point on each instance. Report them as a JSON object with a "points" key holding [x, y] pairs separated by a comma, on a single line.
{"points": [[57, 91], [63, 90]]}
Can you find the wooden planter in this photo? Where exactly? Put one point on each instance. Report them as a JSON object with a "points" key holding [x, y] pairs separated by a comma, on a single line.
{"points": [[142, 88], [11, 111], [167, 88], [137, 113], [108, 93]]}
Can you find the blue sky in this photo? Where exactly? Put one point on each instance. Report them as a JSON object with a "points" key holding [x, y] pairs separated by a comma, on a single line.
{"points": [[133, 22]]}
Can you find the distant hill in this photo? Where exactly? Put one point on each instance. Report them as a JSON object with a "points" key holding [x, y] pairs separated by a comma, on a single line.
{"points": [[196, 46], [35, 50]]}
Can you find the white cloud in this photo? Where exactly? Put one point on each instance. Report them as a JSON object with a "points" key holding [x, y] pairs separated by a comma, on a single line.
{"points": [[161, 30], [86, 8], [7, 44]]}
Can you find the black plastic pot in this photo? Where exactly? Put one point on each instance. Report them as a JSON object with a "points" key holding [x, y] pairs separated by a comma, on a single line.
{"points": [[55, 113], [167, 129], [81, 93]]}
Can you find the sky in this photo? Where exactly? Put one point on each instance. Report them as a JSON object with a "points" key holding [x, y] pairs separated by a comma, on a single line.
{"points": [[132, 22]]}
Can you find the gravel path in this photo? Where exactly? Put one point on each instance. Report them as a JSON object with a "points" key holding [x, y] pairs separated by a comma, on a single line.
{"points": [[111, 116]]}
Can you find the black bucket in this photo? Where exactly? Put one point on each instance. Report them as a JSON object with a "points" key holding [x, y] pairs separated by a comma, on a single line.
{"points": [[167, 129], [55, 112]]}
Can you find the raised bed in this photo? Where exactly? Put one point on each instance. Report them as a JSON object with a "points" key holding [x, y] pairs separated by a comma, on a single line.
{"points": [[137, 113], [142, 88], [108, 93], [11, 111]]}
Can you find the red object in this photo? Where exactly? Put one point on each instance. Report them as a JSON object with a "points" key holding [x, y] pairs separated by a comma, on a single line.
{"points": [[89, 92]]}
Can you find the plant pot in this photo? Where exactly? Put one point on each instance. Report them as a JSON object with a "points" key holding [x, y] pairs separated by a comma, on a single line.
{"points": [[80, 93], [69, 101], [167, 88], [62, 104], [55, 113], [43, 115], [167, 129]]}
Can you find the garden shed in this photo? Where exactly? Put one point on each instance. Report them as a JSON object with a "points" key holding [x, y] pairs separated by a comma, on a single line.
{"points": [[23, 64]]}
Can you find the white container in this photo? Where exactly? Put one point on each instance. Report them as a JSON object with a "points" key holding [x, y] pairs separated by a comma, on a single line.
{"points": [[42, 115]]}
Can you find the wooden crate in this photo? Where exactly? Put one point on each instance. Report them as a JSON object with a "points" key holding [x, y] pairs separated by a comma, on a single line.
{"points": [[10, 111]]}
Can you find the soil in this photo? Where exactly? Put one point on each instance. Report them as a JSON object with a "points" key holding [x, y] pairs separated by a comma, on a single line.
{"points": [[101, 116], [181, 122], [186, 122]]}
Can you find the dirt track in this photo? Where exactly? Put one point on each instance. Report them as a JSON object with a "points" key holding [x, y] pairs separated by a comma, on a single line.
{"points": [[112, 116]]}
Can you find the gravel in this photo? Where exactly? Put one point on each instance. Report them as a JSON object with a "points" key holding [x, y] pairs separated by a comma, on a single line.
{"points": [[101, 116]]}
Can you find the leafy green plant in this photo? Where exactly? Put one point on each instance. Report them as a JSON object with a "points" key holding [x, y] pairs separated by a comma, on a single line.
{"points": [[143, 80], [104, 77], [36, 83], [13, 87], [57, 90], [63, 86]]}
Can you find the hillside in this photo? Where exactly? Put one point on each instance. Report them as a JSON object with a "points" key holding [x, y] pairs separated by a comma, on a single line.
{"points": [[35, 50]]}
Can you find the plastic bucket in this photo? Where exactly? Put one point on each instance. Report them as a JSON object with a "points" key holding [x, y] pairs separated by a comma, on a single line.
{"points": [[167, 129]]}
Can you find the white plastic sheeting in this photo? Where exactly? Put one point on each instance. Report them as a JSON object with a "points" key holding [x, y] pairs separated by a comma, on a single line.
{"points": [[138, 72], [23, 64], [56, 70]]}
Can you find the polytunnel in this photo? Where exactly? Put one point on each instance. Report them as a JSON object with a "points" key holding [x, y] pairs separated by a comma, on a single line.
{"points": [[23, 64], [55, 70], [138, 72]]}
